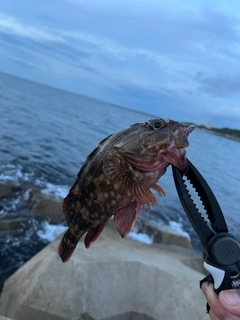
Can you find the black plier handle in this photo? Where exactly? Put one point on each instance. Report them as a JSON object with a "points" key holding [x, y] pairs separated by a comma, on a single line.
{"points": [[221, 248]]}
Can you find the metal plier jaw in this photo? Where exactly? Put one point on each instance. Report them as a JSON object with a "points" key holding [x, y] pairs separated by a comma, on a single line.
{"points": [[221, 247]]}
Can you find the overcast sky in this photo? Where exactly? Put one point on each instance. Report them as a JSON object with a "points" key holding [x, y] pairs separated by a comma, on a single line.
{"points": [[178, 58]]}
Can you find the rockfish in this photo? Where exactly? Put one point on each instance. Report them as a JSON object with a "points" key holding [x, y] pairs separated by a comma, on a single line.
{"points": [[116, 179]]}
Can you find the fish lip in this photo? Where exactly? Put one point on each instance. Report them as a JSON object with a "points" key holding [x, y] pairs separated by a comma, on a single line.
{"points": [[189, 129], [181, 135], [183, 167], [181, 143], [180, 161]]}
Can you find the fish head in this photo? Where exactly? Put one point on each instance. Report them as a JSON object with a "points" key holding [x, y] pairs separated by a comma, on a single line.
{"points": [[169, 140], [155, 144]]}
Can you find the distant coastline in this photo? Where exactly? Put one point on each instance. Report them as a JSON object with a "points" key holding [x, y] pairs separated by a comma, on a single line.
{"points": [[232, 134]]}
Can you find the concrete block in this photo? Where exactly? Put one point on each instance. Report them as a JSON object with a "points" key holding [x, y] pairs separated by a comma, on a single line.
{"points": [[113, 280], [7, 190], [44, 207]]}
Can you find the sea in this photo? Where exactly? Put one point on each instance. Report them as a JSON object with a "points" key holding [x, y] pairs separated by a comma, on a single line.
{"points": [[46, 135]]}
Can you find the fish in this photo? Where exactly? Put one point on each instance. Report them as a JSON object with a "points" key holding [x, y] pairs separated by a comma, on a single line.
{"points": [[116, 178]]}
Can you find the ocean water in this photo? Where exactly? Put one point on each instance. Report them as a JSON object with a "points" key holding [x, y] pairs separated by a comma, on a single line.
{"points": [[45, 136]]}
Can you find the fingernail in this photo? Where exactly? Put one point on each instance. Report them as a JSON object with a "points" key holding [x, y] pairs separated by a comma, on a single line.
{"points": [[231, 297]]}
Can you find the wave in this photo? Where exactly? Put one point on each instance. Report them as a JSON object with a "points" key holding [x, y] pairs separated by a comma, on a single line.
{"points": [[15, 174], [18, 175], [49, 231], [140, 237], [177, 229], [148, 232], [58, 192]]}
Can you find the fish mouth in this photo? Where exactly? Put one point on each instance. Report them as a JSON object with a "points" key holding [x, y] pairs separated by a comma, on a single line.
{"points": [[181, 135], [177, 157], [188, 130], [176, 153]]}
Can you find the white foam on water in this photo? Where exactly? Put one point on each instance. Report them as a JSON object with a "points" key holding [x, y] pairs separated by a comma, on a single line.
{"points": [[26, 195], [12, 205], [9, 206], [57, 191], [141, 237], [6, 177], [50, 231], [177, 228], [173, 227], [15, 174]]}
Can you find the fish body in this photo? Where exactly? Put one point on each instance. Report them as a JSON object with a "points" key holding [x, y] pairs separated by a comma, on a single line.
{"points": [[116, 179]]}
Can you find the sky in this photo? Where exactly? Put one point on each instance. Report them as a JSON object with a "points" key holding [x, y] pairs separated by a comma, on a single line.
{"points": [[177, 59]]}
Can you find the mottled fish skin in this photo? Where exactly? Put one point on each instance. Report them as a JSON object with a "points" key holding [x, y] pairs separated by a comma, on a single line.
{"points": [[116, 179]]}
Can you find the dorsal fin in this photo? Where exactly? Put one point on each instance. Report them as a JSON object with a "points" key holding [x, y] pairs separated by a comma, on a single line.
{"points": [[92, 155], [105, 139]]}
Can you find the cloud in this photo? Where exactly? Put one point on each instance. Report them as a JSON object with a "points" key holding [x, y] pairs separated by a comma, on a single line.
{"points": [[10, 25], [224, 85], [159, 102], [24, 42], [71, 45], [170, 51], [176, 29], [148, 54], [225, 116], [215, 29]]}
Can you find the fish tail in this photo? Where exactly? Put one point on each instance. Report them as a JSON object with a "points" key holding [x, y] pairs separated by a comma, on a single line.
{"points": [[68, 245]]}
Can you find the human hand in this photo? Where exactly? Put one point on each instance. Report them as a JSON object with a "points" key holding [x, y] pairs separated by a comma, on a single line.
{"points": [[225, 306]]}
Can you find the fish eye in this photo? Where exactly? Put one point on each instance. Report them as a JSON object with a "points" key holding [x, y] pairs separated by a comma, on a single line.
{"points": [[158, 124]]}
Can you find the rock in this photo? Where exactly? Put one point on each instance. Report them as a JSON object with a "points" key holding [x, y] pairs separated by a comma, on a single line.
{"points": [[44, 207], [114, 280], [7, 190], [163, 234], [11, 224], [50, 209], [169, 237]]}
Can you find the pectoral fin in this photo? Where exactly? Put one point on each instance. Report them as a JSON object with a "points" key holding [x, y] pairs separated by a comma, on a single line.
{"points": [[159, 190], [142, 194], [113, 169], [144, 162], [116, 170]]}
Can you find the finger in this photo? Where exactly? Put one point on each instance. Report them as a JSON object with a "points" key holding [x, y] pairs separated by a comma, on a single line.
{"points": [[216, 308], [212, 315], [228, 317], [230, 299]]}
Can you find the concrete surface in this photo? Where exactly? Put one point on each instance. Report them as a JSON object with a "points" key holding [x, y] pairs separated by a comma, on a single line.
{"points": [[116, 279]]}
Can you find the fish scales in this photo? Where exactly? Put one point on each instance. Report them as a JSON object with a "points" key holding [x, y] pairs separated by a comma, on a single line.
{"points": [[116, 179]]}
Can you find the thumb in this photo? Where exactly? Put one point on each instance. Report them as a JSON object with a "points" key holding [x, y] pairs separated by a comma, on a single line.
{"points": [[230, 299]]}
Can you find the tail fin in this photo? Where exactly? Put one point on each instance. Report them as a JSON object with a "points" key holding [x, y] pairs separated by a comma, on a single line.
{"points": [[68, 245]]}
